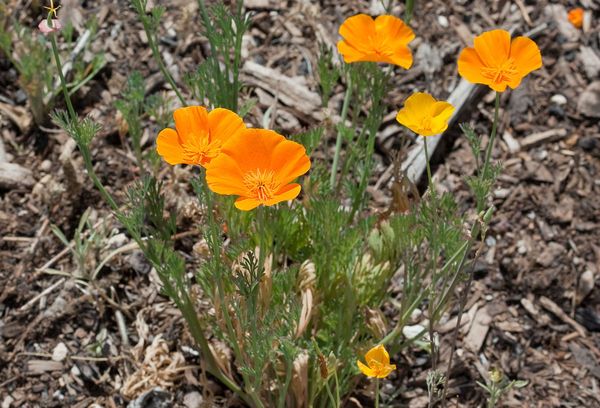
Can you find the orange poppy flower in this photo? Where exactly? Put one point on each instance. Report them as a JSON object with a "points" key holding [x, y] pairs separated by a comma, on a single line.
{"points": [[199, 135], [497, 61], [425, 115], [258, 165], [575, 16], [384, 39]]}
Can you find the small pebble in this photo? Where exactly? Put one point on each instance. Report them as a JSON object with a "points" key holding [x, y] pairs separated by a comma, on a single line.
{"points": [[46, 166], [558, 99], [521, 247], [410, 332], [501, 192], [60, 352], [193, 400], [556, 111], [443, 21], [587, 143]]}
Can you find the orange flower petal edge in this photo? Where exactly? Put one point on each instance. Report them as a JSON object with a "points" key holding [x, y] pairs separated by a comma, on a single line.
{"points": [[384, 39], [425, 115], [199, 135], [498, 62], [258, 165]]}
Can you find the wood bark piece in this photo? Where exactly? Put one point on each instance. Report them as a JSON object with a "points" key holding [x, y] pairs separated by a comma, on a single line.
{"points": [[558, 312], [290, 91], [536, 139], [478, 331], [14, 175]]}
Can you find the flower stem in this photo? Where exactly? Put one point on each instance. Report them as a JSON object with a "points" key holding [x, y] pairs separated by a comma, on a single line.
{"points": [[429, 178], [338, 141], [377, 393], [63, 82], [408, 10], [156, 54], [490, 146]]}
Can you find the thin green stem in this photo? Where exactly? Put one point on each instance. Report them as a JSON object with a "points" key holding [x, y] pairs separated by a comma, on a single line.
{"points": [[197, 331], [429, 177], [155, 51], [408, 10], [63, 82], [288, 379], [250, 394], [337, 389], [85, 151], [330, 394], [87, 160], [376, 392], [338, 141], [490, 146]]}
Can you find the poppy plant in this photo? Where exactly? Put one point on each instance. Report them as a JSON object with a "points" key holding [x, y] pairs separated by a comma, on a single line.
{"points": [[258, 165], [384, 39], [378, 363], [497, 61], [575, 17], [199, 135], [425, 115]]}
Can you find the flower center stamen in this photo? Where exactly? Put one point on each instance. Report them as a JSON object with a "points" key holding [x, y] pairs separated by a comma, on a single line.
{"points": [[502, 73], [261, 183], [197, 149]]}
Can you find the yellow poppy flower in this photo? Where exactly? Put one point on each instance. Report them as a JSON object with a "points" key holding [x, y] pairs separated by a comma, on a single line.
{"points": [[425, 115], [378, 363]]}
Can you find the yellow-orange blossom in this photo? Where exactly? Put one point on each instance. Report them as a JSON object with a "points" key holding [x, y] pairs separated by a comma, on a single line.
{"points": [[384, 39], [497, 61], [378, 363], [199, 135], [425, 115], [258, 165]]}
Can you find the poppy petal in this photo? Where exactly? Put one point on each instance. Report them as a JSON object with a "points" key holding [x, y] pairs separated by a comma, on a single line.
{"points": [[394, 29], [169, 147], [223, 176], [378, 354], [393, 36], [350, 53], [420, 103], [493, 47], [246, 204], [191, 121], [442, 110], [252, 148], [365, 370], [526, 55], [356, 31], [289, 160], [403, 58], [385, 370], [287, 193], [470, 67], [224, 124]]}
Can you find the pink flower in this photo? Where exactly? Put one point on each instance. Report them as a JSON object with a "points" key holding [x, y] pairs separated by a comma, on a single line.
{"points": [[46, 29]]}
